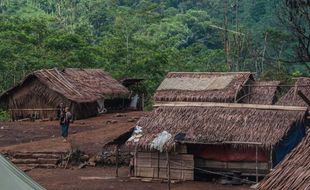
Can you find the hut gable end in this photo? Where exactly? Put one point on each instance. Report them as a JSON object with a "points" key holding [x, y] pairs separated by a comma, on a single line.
{"points": [[291, 98]]}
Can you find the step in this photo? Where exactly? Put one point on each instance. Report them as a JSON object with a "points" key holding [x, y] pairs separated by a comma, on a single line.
{"points": [[47, 161], [30, 155], [23, 161]]}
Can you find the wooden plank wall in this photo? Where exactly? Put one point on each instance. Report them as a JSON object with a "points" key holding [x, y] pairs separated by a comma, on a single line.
{"points": [[154, 165]]}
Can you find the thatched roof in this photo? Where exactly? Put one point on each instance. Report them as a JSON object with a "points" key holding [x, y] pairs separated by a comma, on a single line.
{"points": [[79, 85], [201, 87], [261, 92], [291, 98], [220, 122], [293, 172]]}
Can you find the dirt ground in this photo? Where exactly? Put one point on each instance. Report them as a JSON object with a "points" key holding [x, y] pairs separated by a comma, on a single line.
{"points": [[88, 135], [103, 179]]}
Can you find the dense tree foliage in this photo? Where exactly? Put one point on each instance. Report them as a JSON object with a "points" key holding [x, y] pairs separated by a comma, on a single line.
{"points": [[143, 38]]}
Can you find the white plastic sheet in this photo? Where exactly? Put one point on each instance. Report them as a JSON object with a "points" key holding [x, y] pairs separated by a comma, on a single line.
{"points": [[159, 142], [136, 135]]}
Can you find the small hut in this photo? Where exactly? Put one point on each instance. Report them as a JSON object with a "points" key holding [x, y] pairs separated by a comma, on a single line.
{"points": [[293, 172], [203, 86], [261, 92], [293, 97], [86, 91], [215, 137]]}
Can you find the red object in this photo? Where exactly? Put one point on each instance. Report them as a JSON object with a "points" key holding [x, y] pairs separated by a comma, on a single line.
{"points": [[228, 153]]}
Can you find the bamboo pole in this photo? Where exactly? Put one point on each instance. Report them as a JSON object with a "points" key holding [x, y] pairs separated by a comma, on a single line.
{"points": [[135, 161], [230, 105], [168, 166], [158, 155], [256, 161], [116, 159]]}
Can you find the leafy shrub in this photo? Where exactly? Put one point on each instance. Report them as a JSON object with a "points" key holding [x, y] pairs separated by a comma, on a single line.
{"points": [[4, 116]]}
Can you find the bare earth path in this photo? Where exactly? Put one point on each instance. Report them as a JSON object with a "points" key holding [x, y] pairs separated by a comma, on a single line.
{"points": [[89, 135], [60, 179]]}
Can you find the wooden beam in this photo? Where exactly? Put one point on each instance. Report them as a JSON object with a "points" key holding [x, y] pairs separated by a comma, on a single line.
{"points": [[35, 109], [303, 97], [223, 142], [223, 73], [229, 105]]}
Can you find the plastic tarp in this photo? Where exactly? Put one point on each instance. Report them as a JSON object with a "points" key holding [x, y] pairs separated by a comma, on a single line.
{"points": [[136, 135], [12, 178], [288, 143], [159, 142], [134, 101]]}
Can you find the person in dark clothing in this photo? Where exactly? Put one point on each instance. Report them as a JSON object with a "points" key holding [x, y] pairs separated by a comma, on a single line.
{"points": [[60, 109], [65, 119]]}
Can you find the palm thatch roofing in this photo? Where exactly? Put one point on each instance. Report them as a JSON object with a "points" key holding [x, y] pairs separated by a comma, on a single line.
{"points": [[220, 123], [291, 98], [202, 86], [261, 92], [293, 172], [78, 85]]}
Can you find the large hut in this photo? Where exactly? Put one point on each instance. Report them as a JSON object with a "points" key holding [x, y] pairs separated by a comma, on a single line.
{"points": [[293, 172], [293, 97], [85, 91], [202, 86], [227, 87], [215, 137]]}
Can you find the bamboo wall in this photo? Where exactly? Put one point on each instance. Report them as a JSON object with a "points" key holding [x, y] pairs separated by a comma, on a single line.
{"points": [[155, 165]]}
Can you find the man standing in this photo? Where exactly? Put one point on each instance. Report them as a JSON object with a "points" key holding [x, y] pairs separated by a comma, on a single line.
{"points": [[65, 120]]}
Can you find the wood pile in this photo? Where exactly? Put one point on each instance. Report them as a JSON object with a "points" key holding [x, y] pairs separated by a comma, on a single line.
{"points": [[108, 156]]}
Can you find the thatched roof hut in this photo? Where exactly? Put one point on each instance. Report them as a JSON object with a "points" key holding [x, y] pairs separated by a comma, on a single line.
{"points": [[293, 172], [202, 86], [291, 98], [218, 123], [44, 89], [261, 92], [220, 137]]}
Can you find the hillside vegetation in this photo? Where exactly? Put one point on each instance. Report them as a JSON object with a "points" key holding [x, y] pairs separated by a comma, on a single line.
{"points": [[145, 38]]}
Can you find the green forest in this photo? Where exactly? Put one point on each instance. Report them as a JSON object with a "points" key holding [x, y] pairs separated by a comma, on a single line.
{"points": [[148, 38]]}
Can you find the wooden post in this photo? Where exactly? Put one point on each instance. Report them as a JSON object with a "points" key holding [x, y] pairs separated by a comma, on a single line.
{"points": [[168, 164], [142, 103], [116, 159], [158, 156], [256, 168], [271, 151], [135, 161]]}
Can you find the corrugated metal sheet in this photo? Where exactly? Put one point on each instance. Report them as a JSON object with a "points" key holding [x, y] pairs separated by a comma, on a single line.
{"points": [[12, 178]]}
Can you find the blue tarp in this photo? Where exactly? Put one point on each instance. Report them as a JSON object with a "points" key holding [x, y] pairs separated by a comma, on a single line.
{"points": [[288, 143]]}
